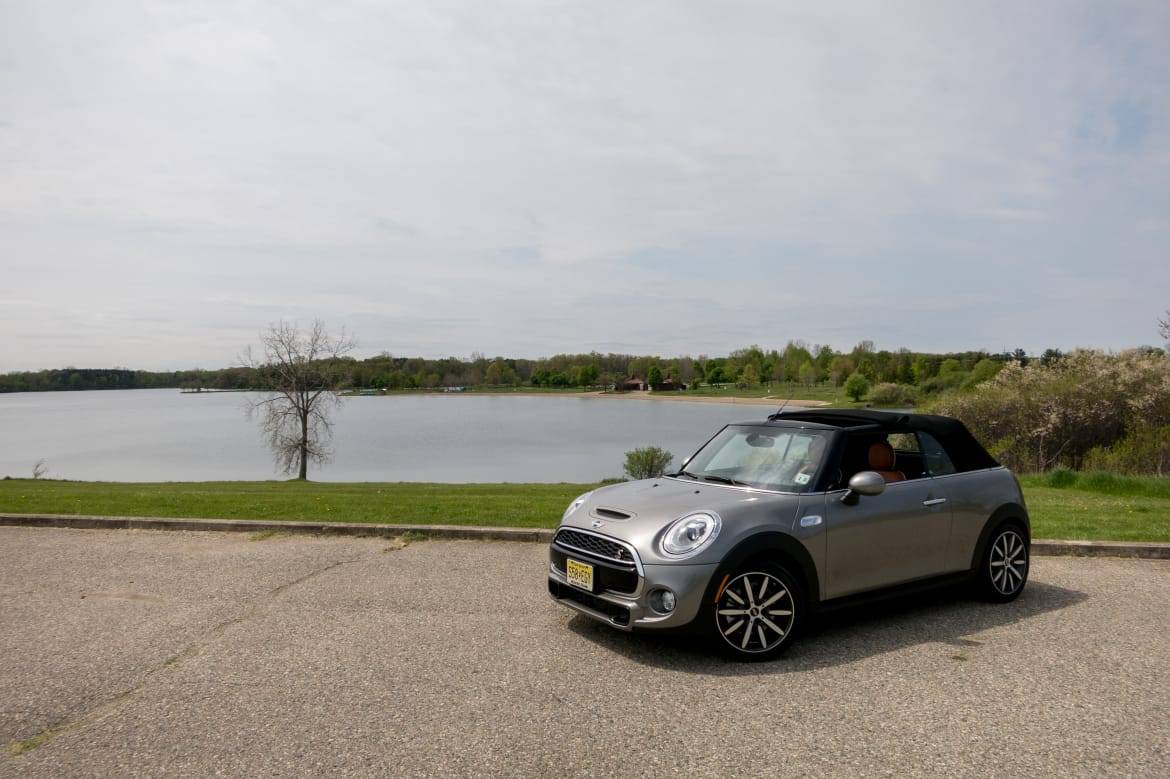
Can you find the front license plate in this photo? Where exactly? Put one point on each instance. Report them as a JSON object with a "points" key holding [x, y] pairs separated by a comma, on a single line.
{"points": [[579, 574]]}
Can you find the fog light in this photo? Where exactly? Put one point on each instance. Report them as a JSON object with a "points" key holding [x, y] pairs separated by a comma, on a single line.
{"points": [[662, 601]]}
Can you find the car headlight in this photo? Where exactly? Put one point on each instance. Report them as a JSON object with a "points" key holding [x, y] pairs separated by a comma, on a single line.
{"points": [[691, 534], [576, 504]]}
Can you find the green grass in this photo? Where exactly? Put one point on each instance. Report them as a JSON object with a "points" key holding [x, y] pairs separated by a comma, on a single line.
{"points": [[514, 505], [1102, 482], [1094, 506], [1098, 506]]}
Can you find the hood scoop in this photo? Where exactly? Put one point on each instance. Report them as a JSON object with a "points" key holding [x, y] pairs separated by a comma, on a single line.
{"points": [[602, 512]]}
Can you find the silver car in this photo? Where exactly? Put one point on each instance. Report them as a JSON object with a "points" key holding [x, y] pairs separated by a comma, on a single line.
{"points": [[771, 521]]}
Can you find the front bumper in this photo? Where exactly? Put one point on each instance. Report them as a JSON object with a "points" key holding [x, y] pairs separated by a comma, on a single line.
{"points": [[632, 611]]}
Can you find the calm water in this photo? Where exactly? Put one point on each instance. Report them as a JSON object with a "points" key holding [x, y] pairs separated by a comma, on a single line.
{"points": [[163, 435]]}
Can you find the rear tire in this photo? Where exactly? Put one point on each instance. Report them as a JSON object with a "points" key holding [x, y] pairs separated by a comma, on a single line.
{"points": [[1003, 571], [757, 612]]}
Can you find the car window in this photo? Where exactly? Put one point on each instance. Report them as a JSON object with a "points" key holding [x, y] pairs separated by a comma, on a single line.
{"points": [[761, 457], [937, 461], [907, 458], [903, 442]]}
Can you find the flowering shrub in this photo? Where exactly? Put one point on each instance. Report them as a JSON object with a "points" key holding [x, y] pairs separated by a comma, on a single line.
{"points": [[1035, 417]]}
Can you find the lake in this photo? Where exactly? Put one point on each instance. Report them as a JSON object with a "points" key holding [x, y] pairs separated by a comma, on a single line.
{"points": [[165, 435]]}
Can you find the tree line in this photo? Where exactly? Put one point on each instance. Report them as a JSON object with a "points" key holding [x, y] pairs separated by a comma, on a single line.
{"points": [[752, 366]]}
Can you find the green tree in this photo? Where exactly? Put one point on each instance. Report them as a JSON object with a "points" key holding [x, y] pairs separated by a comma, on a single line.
{"points": [[922, 369], [654, 376], [839, 369], [750, 377], [587, 375], [856, 386], [984, 369], [950, 367], [808, 374]]}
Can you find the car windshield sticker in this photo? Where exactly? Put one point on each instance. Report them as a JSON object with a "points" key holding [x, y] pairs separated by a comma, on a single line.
{"points": [[802, 478]]}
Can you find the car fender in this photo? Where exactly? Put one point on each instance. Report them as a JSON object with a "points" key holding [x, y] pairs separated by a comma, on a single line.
{"points": [[783, 546], [1006, 511]]}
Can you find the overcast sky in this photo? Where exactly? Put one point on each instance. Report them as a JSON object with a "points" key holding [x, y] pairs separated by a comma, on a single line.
{"points": [[530, 178]]}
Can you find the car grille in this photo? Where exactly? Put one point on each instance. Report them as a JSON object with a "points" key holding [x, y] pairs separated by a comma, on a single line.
{"points": [[601, 547], [605, 577]]}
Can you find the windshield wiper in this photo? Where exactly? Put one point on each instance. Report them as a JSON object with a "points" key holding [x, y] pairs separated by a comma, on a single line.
{"points": [[723, 480], [710, 477]]}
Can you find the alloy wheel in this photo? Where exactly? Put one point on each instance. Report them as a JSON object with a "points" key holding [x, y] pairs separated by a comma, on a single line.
{"points": [[755, 612], [1009, 562]]}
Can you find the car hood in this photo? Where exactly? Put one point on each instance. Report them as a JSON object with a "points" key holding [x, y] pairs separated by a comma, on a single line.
{"points": [[649, 505]]}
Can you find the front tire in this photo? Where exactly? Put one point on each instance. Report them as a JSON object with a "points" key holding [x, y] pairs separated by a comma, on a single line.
{"points": [[757, 613], [1003, 571]]}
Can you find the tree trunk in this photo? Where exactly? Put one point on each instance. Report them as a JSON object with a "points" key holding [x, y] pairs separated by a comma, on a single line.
{"points": [[304, 465]]}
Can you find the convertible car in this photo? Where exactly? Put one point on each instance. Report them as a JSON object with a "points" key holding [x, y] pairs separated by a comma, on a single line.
{"points": [[772, 520]]}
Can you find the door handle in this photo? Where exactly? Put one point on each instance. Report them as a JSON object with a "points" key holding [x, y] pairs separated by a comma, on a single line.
{"points": [[934, 501]]}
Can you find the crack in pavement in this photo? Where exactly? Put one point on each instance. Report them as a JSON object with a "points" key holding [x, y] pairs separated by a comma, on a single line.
{"points": [[102, 711]]}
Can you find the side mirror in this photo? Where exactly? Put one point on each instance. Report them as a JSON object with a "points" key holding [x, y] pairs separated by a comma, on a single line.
{"points": [[864, 483]]}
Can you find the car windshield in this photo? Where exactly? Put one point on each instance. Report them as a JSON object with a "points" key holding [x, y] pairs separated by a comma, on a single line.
{"points": [[768, 458]]}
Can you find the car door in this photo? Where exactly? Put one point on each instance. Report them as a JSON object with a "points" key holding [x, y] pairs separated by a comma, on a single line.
{"points": [[886, 539]]}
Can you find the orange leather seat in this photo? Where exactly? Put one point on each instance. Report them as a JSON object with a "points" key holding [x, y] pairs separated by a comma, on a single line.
{"points": [[881, 460]]}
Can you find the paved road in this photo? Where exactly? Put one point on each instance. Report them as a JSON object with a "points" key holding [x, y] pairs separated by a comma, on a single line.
{"points": [[201, 653]]}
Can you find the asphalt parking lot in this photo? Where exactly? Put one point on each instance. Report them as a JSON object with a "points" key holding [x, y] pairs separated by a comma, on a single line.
{"points": [[204, 653]]}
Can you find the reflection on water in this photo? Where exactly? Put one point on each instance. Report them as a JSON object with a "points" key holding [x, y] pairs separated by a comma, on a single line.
{"points": [[163, 435]]}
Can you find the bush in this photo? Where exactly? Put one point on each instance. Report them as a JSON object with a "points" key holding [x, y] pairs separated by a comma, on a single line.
{"points": [[1061, 478], [1145, 451], [943, 383], [1038, 416], [856, 386], [889, 394], [647, 463]]}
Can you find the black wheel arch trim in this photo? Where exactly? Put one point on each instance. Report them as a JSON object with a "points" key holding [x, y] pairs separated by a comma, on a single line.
{"points": [[1006, 512], [760, 545]]}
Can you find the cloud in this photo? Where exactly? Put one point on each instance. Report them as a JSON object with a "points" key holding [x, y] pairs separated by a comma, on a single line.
{"points": [[675, 175]]}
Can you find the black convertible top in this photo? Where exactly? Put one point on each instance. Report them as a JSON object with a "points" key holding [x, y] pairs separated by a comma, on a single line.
{"points": [[965, 451]]}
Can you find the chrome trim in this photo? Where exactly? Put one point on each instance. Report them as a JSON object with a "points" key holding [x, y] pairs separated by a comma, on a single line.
{"points": [[934, 501], [625, 544], [968, 473]]}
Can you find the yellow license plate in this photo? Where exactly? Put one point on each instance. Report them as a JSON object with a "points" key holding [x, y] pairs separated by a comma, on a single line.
{"points": [[579, 574]]}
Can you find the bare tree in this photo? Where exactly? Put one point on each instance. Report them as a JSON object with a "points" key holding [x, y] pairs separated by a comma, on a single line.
{"points": [[40, 468], [1164, 326], [299, 374]]}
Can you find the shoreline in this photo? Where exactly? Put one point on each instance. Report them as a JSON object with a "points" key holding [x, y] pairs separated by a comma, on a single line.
{"points": [[651, 396]]}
